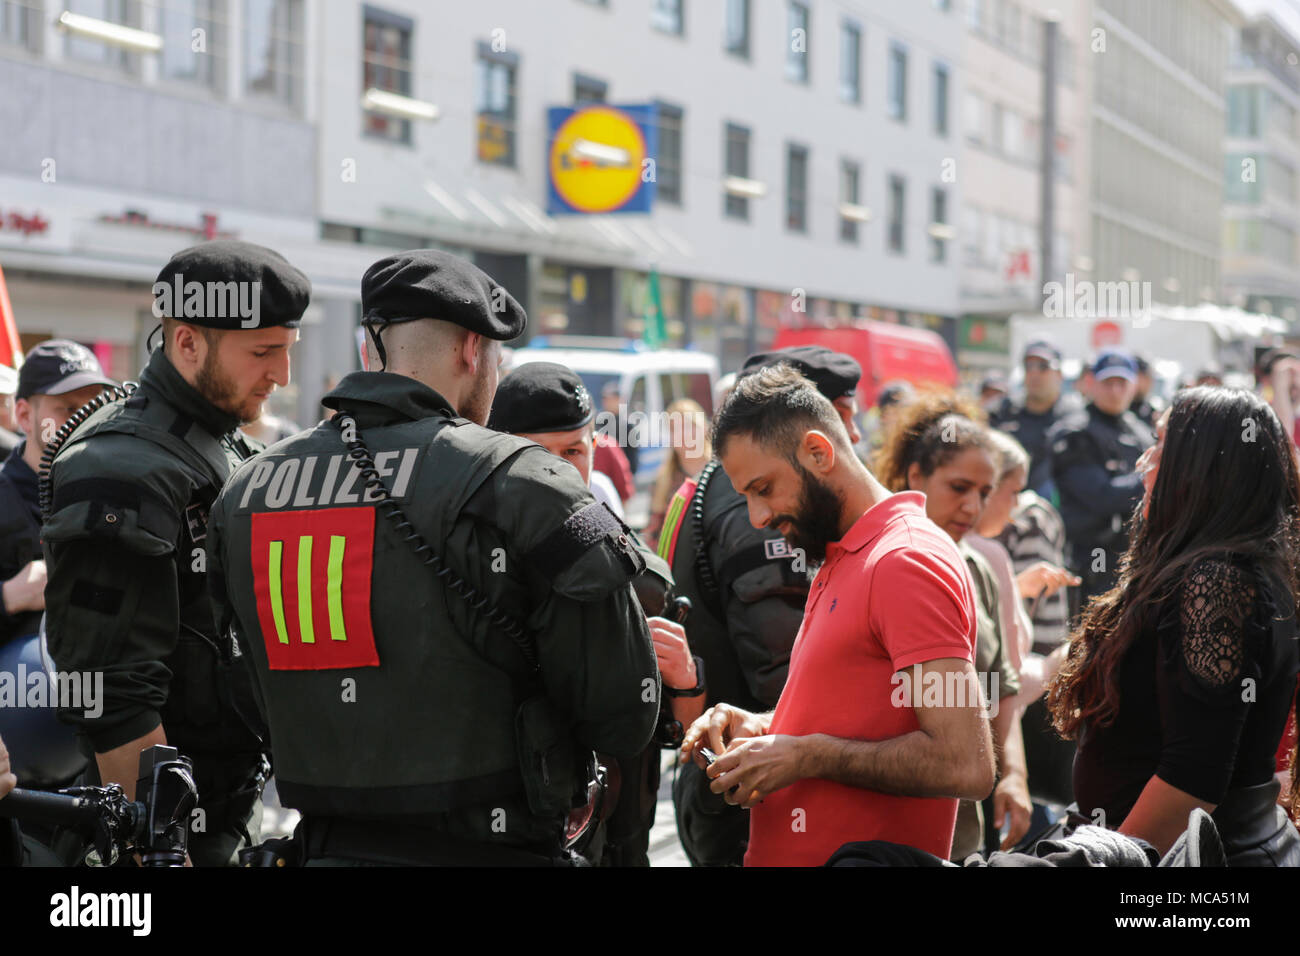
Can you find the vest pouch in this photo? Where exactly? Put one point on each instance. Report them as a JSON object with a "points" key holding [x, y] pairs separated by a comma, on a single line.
{"points": [[546, 758]]}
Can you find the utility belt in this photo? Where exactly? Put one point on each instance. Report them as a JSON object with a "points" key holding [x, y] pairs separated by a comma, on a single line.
{"points": [[388, 843]]}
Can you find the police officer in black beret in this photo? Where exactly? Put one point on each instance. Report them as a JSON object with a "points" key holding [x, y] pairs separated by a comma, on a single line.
{"points": [[127, 503], [440, 616], [547, 403], [747, 592]]}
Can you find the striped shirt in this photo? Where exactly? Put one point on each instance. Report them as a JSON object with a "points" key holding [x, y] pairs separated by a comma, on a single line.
{"points": [[1037, 533]]}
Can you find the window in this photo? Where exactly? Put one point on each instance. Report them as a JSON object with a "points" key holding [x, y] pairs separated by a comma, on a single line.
{"points": [[387, 67], [938, 225], [943, 6], [737, 28], [851, 62], [668, 166], [1243, 110], [850, 194], [976, 119], [737, 164], [178, 59], [18, 23], [668, 16], [970, 235], [796, 188], [940, 100], [588, 90], [273, 49], [123, 12], [796, 54], [497, 105], [896, 88], [897, 202], [975, 14]]}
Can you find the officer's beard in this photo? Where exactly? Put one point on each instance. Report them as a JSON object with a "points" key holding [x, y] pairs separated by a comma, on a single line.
{"points": [[817, 522], [222, 392]]}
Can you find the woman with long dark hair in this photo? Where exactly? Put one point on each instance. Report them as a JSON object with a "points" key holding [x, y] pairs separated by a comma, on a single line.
{"points": [[1180, 678]]}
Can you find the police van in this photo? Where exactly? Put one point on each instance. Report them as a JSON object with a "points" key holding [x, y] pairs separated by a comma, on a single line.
{"points": [[649, 382]]}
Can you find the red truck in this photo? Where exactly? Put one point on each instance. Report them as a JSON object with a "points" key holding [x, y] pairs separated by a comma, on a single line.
{"points": [[886, 352]]}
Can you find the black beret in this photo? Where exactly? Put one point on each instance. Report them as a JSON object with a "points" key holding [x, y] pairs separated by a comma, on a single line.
{"points": [[541, 397], [227, 284], [429, 284], [835, 374]]}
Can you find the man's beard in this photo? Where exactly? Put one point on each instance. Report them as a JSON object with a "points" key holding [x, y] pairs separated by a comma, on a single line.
{"points": [[817, 523], [222, 393]]}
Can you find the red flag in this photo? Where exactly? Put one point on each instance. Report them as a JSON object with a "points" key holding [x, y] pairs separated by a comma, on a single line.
{"points": [[11, 346]]}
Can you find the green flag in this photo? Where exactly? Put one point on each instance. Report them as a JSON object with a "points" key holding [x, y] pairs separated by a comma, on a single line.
{"points": [[655, 333]]}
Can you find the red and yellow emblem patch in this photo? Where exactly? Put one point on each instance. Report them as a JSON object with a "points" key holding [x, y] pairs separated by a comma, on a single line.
{"points": [[311, 577]]}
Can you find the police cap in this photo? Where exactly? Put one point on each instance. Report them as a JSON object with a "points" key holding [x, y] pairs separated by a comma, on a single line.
{"points": [[429, 284], [835, 374], [228, 285], [541, 397]]}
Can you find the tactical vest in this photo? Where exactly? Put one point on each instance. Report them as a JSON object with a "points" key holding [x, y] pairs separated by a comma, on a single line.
{"points": [[211, 707], [387, 693]]}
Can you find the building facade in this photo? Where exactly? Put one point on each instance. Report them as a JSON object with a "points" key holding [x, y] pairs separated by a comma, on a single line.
{"points": [[1158, 120], [1003, 56], [805, 167], [133, 130], [1261, 272]]}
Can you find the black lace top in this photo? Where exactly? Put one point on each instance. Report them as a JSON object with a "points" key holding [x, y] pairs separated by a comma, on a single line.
{"points": [[1205, 691]]}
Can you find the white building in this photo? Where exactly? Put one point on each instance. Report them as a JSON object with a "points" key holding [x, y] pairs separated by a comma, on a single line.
{"points": [[843, 114], [121, 148]]}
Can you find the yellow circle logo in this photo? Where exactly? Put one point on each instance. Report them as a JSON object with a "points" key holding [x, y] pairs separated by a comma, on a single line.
{"points": [[596, 159]]}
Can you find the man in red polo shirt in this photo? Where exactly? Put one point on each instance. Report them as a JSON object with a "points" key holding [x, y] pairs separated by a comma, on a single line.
{"points": [[881, 727]]}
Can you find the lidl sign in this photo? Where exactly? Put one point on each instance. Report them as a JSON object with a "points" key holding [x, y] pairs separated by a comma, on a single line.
{"points": [[601, 159]]}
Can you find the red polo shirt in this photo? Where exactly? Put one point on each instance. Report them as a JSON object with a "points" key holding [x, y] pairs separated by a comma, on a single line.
{"points": [[893, 593]]}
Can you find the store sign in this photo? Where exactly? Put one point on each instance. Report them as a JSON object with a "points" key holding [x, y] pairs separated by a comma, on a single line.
{"points": [[601, 159], [18, 223], [205, 228], [984, 335]]}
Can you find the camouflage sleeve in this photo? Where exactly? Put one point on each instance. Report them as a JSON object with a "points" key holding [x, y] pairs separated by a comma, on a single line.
{"points": [[112, 602]]}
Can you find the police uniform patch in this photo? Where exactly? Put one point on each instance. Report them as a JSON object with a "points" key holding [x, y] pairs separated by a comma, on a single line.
{"points": [[311, 580]]}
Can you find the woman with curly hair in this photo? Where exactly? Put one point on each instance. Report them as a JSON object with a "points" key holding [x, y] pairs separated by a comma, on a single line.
{"points": [[939, 446], [1180, 678]]}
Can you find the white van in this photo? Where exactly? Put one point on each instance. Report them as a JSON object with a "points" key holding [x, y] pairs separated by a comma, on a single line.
{"points": [[649, 381]]}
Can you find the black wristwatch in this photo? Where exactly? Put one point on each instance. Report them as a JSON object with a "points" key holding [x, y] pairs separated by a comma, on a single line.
{"points": [[695, 691]]}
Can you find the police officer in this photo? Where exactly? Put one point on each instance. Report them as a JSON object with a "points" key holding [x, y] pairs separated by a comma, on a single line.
{"points": [[748, 592], [56, 379], [442, 636], [1094, 462], [124, 537], [547, 403], [1031, 416]]}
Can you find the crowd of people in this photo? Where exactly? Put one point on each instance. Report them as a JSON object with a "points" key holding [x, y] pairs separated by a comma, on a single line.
{"points": [[1041, 628]]}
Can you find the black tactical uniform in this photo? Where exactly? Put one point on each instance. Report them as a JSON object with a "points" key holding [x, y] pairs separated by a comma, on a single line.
{"points": [[748, 592], [539, 398], [55, 367], [20, 537], [127, 593], [1094, 460], [407, 725]]}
